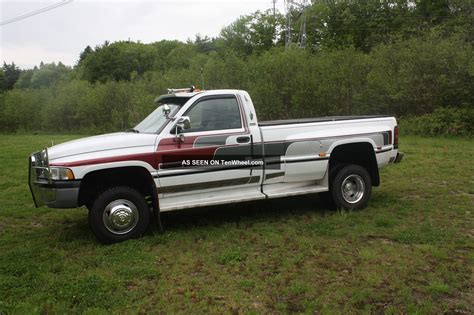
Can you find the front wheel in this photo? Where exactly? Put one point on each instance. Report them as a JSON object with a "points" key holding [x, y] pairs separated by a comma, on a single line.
{"points": [[119, 214], [351, 188]]}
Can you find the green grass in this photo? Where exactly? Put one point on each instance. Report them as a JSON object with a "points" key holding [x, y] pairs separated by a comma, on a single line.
{"points": [[410, 251]]}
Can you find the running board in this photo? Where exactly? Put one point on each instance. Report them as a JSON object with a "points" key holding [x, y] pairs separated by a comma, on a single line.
{"points": [[285, 191], [210, 199], [238, 195]]}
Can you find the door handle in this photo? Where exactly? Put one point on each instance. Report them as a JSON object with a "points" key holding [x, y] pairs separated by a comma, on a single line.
{"points": [[245, 139]]}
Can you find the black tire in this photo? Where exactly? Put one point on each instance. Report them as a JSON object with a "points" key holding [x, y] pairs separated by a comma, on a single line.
{"points": [[89, 206], [119, 214], [359, 188]]}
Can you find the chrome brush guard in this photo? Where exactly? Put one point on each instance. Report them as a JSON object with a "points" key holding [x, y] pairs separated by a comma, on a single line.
{"points": [[38, 173]]}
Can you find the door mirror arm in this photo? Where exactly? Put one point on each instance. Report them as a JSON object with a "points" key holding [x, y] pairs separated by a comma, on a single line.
{"points": [[182, 124]]}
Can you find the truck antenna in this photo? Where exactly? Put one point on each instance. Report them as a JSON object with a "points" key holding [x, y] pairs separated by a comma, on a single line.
{"points": [[202, 78]]}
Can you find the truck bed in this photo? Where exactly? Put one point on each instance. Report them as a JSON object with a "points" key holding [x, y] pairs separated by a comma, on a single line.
{"points": [[314, 120]]}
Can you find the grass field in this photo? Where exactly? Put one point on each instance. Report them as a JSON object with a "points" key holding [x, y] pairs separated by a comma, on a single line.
{"points": [[410, 251]]}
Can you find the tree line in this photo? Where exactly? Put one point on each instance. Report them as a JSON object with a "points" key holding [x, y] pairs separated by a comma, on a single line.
{"points": [[405, 58]]}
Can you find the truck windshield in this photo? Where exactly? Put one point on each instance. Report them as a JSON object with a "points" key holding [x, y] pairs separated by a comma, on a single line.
{"points": [[155, 121]]}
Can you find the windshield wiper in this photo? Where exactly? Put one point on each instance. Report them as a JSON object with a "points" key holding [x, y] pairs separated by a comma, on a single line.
{"points": [[132, 130]]}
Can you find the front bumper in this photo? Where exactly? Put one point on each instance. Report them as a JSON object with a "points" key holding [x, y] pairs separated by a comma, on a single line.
{"points": [[54, 194]]}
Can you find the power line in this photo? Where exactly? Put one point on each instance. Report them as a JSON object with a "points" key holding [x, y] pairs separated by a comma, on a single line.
{"points": [[36, 12]]}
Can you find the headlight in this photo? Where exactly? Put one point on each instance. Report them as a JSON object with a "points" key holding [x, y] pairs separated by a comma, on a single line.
{"points": [[60, 173]]}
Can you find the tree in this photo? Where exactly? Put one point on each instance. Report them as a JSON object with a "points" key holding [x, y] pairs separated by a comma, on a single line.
{"points": [[180, 57], [360, 24], [433, 11], [86, 52], [256, 32], [204, 44], [2, 80], [46, 75], [116, 61], [161, 50], [25, 78], [11, 74]]}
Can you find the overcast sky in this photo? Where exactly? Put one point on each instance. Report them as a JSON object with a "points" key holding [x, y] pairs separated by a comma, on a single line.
{"points": [[62, 33]]}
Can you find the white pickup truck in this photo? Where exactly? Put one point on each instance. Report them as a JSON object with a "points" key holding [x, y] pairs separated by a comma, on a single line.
{"points": [[201, 148]]}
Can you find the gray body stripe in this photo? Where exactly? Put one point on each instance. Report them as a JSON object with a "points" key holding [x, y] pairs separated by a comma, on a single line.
{"points": [[274, 175], [210, 141], [209, 185]]}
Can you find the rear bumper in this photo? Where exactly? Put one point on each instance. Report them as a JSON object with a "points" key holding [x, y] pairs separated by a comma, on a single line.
{"points": [[54, 194], [399, 157]]}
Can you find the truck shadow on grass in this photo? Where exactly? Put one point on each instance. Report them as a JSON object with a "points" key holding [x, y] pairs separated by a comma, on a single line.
{"points": [[273, 211], [251, 211], [75, 228]]}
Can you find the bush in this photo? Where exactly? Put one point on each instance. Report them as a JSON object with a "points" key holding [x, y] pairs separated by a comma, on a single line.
{"points": [[443, 121], [416, 76], [296, 83]]}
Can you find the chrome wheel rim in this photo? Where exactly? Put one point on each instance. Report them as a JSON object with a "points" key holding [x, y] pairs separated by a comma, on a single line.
{"points": [[120, 216], [353, 188]]}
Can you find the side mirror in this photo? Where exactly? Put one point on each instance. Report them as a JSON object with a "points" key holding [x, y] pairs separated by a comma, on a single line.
{"points": [[183, 123], [166, 110]]}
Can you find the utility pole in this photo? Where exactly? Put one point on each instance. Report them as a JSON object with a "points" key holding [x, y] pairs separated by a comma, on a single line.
{"points": [[202, 78], [302, 34], [290, 7], [274, 8]]}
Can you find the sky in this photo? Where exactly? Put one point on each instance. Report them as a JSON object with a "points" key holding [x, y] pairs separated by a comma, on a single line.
{"points": [[62, 33]]}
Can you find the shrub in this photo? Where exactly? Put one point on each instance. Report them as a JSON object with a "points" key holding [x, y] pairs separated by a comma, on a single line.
{"points": [[443, 121]]}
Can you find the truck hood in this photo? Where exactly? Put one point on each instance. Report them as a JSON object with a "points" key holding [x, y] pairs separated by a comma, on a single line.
{"points": [[104, 142]]}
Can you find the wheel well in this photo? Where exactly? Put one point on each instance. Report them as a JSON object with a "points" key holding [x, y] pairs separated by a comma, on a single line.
{"points": [[360, 153], [136, 177]]}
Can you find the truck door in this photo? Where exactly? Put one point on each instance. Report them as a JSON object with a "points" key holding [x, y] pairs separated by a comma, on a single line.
{"points": [[213, 155]]}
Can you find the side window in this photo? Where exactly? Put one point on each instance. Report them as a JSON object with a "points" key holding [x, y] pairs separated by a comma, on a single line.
{"points": [[215, 114]]}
